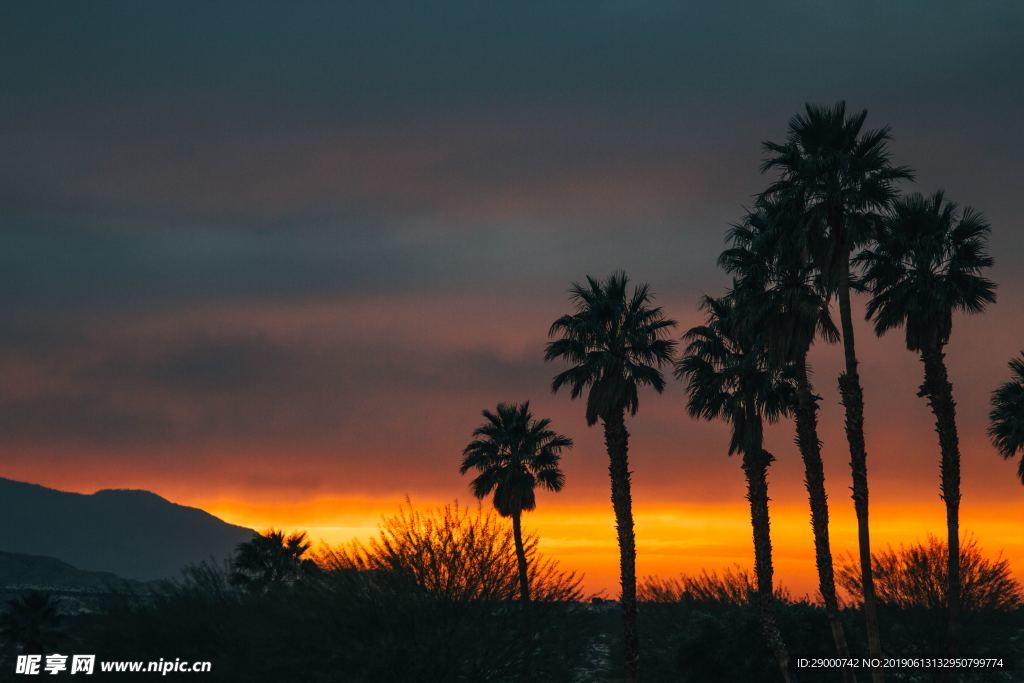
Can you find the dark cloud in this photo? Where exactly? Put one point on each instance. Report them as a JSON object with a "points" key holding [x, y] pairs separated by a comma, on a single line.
{"points": [[138, 388]]}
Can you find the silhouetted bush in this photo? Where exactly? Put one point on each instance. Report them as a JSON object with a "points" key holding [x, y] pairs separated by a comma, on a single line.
{"points": [[915, 576], [703, 628], [733, 586], [456, 553]]}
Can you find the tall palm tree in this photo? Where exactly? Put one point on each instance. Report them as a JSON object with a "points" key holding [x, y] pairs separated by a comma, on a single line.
{"points": [[926, 264], [514, 453], [729, 378], [1006, 421], [615, 343], [794, 311], [843, 177]]}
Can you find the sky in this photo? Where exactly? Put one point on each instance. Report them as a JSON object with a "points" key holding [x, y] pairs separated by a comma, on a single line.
{"points": [[273, 260]]}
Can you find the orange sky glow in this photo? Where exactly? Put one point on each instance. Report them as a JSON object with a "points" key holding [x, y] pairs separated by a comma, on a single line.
{"points": [[671, 538]]}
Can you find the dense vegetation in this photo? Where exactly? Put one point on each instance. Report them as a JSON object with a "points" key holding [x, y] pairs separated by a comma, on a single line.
{"points": [[413, 605]]}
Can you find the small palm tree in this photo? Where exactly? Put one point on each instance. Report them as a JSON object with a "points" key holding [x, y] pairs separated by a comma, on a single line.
{"points": [[925, 265], [842, 176], [1006, 421], [729, 377], [615, 343], [271, 560], [514, 453], [793, 312], [31, 621]]}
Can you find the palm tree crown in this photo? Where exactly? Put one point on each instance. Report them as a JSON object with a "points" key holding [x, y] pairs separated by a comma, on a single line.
{"points": [[926, 264], [842, 176], [770, 269], [271, 560], [1007, 416], [728, 376], [615, 341], [514, 453]]}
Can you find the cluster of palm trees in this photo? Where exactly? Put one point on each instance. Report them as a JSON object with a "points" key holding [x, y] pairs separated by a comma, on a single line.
{"points": [[830, 223]]}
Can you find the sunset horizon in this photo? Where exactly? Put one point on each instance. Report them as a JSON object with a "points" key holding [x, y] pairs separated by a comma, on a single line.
{"points": [[465, 342]]}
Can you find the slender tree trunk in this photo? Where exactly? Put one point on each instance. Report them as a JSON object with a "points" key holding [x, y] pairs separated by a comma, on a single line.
{"points": [[524, 577], [616, 439], [814, 480], [939, 392], [853, 403], [755, 467]]}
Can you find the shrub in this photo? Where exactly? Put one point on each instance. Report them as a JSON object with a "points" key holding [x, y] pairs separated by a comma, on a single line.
{"points": [[915, 576], [457, 554]]}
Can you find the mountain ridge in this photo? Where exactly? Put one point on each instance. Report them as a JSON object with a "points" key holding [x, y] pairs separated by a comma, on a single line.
{"points": [[132, 533]]}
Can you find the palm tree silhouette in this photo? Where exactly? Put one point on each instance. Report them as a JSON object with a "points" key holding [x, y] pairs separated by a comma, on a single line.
{"points": [[729, 377], [925, 264], [31, 621], [615, 342], [513, 452], [842, 176], [793, 311], [1006, 421], [270, 561]]}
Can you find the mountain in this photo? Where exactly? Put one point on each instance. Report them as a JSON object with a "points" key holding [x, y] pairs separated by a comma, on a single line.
{"points": [[133, 534], [19, 571]]}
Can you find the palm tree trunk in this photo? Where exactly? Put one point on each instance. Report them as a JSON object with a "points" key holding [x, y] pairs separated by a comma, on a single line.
{"points": [[814, 480], [755, 467], [939, 393], [616, 439], [853, 403], [524, 577]]}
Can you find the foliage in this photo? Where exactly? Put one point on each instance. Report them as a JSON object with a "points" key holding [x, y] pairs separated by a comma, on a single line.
{"points": [[456, 554], [271, 560], [703, 628], [615, 342], [1007, 417], [728, 375], [926, 264], [734, 586], [841, 176], [373, 614], [513, 453], [915, 576], [767, 262]]}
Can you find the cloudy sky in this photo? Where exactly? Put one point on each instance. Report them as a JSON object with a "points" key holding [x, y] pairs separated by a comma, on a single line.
{"points": [[273, 260]]}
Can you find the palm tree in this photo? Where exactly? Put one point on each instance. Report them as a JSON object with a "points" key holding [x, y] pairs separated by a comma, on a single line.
{"points": [[729, 378], [1006, 428], [843, 178], [513, 452], [271, 560], [615, 342], [794, 311], [925, 264], [31, 621]]}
